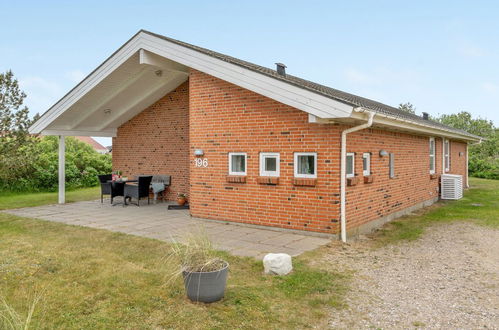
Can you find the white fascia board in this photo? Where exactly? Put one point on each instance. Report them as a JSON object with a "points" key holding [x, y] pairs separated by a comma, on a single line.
{"points": [[106, 133], [302, 99], [408, 125], [280, 91], [87, 84]]}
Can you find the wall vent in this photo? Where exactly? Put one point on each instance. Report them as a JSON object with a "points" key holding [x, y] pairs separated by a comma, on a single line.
{"points": [[451, 186]]}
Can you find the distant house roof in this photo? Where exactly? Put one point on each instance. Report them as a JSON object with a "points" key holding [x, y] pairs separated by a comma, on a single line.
{"points": [[93, 143]]}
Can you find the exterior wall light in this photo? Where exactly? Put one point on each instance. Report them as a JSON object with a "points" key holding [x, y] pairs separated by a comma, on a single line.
{"points": [[383, 153], [198, 152]]}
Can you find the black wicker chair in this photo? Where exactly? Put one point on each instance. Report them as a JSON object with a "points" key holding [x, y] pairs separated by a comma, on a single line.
{"points": [[139, 190], [105, 186]]}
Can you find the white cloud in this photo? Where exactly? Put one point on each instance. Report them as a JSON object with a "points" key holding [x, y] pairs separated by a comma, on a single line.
{"points": [[358, 77], [467, 49], [490, 88], [75, 75], [381, 76], [41, 93]]}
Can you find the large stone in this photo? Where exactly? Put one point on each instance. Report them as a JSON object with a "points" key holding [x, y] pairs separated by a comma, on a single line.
{"points": [[277, 264]]}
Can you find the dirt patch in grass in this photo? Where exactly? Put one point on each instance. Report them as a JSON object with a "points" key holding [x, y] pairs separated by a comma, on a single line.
{"points": [[98, 279]]}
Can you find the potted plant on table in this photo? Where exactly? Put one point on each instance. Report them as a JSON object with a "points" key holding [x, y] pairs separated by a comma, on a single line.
{"points": [[181, 199], [203, 271]]}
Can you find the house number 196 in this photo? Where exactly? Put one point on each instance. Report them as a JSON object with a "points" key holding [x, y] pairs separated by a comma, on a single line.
{"points": [[201, 162]]}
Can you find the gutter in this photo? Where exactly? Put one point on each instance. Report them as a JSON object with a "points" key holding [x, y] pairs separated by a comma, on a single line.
{"points": [[344, 170]]}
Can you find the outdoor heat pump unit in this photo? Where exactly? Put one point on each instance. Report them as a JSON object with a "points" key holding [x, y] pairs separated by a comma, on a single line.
{"points": [[451, 186]]}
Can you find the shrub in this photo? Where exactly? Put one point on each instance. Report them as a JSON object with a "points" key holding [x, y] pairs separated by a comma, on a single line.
{"points": [[40, 173]]}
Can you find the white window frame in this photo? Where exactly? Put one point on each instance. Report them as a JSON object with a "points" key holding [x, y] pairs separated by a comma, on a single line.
{"points": [[263, 156], [432, 155], [350, 175], [447, 155], [367, 156], [309, 176], [245, 163]]}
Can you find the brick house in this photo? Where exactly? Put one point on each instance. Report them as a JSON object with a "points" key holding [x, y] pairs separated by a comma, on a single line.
{"points": [[254, 145]]}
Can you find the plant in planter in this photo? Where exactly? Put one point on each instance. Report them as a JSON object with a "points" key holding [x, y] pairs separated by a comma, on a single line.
{"points": [[181, 199], [204, 273]]}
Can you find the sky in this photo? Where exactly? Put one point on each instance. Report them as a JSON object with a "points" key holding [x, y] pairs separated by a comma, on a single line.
{"points": [[442, 56]]}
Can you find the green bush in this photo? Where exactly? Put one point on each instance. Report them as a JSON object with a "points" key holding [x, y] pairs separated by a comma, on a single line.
{"points": [[484, 168], [40, 173]]}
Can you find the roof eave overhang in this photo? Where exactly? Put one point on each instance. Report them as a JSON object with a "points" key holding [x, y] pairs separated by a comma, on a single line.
{"points": [[302, 99], [401, 124]]}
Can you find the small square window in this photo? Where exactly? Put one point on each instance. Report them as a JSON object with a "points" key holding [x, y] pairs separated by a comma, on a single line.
{"points": [[350, 168], [269, 164], [366, 164], [306, 165], [237, 163]]}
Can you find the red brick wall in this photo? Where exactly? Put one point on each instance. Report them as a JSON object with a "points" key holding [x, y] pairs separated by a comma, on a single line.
{"points": [[412, 183], [458, 162], [156, 141], [226, 118]]}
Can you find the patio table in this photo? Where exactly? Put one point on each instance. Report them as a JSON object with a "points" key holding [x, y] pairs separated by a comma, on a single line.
{"points": [[120, 185]]}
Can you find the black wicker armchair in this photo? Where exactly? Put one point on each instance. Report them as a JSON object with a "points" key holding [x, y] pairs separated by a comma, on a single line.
{"points": [[139, 190], [105, 186]]}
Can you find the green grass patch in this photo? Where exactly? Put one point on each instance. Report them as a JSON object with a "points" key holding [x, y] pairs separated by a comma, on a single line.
{"points": [[479, 205], [96, 279], [11, 200]]}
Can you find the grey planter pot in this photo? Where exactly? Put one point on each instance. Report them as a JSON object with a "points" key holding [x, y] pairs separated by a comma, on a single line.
{"points": [[206, 287]]}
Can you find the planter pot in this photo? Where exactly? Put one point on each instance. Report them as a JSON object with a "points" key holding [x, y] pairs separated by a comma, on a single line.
{"points": [[206, 287], [181, 201]]}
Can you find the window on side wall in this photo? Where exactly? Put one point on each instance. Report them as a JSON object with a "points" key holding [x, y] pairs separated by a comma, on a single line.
{"points": [[432, 155], [237, 163], [391, 162], [366, 164], [269, 164], [350, 168], [447, 155], [306, 165]]}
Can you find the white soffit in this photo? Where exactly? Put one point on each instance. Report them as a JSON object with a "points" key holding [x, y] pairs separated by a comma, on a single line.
{"points": [[144, 54]]}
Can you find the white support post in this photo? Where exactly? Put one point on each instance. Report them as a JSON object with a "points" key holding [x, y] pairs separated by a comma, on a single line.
{"points": [[62, 170]]}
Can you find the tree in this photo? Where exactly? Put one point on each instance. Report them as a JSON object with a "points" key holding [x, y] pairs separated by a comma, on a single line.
{"points": [[408, 107], [483, 157], [15, 142], [14, 116]]}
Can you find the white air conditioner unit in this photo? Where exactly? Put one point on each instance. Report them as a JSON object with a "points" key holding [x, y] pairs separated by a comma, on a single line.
{"points": [[451, 186]]}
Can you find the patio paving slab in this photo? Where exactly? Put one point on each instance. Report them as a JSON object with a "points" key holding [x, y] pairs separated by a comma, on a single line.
{"points": [[155, 221]]}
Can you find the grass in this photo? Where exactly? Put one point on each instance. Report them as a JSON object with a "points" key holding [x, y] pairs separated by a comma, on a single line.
{"points": [[479, 205], [9, 200], [96, 279]]}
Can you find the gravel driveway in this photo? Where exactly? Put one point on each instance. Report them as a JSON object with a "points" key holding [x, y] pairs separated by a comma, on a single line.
{"points": [[447, 279]]}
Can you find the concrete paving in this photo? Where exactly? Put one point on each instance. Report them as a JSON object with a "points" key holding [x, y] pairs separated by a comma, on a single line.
{"points": [[156, 221]]}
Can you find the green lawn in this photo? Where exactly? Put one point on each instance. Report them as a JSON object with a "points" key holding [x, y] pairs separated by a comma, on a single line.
{"points": [[10, 200], [95, 279], [479, 205]]}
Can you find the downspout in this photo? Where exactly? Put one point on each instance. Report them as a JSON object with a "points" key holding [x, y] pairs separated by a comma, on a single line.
{"points": [[343, 171]]}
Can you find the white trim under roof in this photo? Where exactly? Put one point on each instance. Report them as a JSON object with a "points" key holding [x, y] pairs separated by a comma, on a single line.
{"points": [[401, 124], [156, 47]]}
